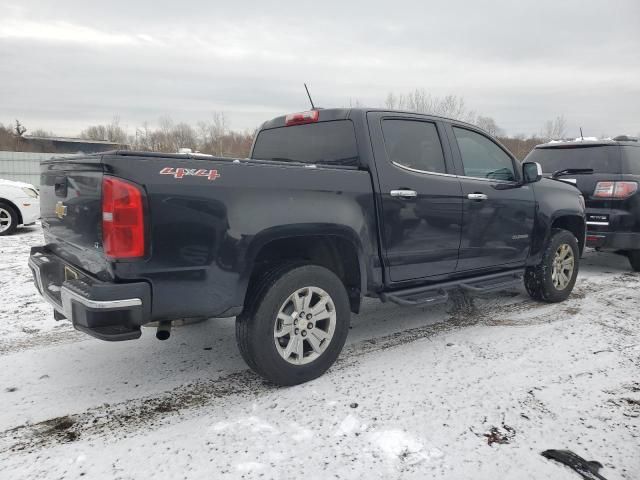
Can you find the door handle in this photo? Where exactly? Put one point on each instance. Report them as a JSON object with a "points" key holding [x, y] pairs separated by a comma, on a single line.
{"points": [[477, 196], [404, 193]]}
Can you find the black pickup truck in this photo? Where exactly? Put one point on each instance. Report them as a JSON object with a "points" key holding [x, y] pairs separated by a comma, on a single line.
{"points": [[332, 206]]}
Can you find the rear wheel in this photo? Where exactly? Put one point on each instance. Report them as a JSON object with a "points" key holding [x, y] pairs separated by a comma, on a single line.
{"points": [[295, 323], [634, 259], [8, 219], [553, 279]]}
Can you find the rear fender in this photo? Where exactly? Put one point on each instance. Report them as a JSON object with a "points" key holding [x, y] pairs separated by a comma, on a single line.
{"points": [[298, 232]]}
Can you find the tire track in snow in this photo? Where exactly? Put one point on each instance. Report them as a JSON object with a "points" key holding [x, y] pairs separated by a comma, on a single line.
{"points": [[133, 415]]}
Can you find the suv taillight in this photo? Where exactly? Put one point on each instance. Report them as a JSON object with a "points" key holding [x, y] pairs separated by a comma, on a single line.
{"points": [[616, 190], [122, 219]]}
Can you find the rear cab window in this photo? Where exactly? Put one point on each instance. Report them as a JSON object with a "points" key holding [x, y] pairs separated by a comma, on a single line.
{"points": [[323, 143], [600, 158]]}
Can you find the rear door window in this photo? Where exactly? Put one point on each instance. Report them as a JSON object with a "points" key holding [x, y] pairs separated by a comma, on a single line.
{"points": [[602, 159], [482, 158], [331, 143], [413, 144]]}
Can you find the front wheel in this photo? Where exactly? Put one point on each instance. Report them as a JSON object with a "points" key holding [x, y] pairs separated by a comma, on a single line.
{"points": [[295, 323], [553, 279], [8, 219]]}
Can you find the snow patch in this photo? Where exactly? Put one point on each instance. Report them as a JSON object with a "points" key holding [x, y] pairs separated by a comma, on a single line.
{"points": [[249, 466], [398, 445], [349, 425]]}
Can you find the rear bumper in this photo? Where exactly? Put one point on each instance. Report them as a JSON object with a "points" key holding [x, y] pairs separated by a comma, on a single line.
{"points": [[613, 240], [108, 311]]}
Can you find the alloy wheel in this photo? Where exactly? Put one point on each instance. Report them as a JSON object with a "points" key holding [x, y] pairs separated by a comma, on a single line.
{"points": [[5, 220], [305, 325], [563, 265]]}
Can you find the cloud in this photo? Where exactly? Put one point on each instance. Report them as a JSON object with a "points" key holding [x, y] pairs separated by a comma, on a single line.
{"points": [[67, 63], [62, 32]]}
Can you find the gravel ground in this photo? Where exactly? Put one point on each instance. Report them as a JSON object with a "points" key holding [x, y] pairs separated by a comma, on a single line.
{"points": [[475, 389]]}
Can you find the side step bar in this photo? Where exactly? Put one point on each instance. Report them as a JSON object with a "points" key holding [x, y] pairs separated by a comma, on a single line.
{"points": [[438, 292]]}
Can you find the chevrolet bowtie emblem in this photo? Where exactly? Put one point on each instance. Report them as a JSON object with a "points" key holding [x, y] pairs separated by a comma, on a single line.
{"points": [[61, 210]]}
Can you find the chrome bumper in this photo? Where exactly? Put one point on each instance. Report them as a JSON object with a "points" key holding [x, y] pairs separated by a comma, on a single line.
{"points": [[106, 310], [67, 296]]}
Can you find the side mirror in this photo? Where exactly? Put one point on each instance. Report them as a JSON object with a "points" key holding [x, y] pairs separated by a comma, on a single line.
{"points": [[531, 172]]}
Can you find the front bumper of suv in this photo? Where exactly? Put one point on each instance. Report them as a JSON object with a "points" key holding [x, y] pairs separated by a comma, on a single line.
{"points": [[105, 310]]}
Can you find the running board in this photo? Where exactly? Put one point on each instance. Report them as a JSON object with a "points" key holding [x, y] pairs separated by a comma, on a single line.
{"points": [[481, 285], [438, 293]]}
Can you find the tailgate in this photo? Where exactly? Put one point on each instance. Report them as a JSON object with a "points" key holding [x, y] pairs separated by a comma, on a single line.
{"points": [[71, 210]]}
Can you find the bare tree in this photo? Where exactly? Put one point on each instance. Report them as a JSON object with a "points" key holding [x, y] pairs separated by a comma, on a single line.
{"points": [[19, 129], [451, 106], [183, 136], [391, 102], [420, 101], [111, 132], [214, 134], [554, 129], [41, 132], [7, 140], [489, 125]]}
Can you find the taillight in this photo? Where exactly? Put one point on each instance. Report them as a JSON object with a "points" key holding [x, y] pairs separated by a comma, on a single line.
{"points": [[617, 190], [301, 118], [122, 219]]}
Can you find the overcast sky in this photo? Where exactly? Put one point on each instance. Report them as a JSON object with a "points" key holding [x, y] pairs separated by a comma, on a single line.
{"points": [[65, 64]]}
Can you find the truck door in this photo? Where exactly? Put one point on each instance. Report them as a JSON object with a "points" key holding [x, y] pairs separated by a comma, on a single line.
{"points": [[498, 212], [419, 196]]}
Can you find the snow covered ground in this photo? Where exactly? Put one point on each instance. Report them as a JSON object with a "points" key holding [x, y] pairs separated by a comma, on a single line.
{"points": [[417, 393]]}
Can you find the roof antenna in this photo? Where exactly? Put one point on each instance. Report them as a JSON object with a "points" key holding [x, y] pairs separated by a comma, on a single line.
{"points": [[581, 136], [309, 95]]}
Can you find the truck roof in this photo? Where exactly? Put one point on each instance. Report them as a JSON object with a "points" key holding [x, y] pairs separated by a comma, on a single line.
{"points": [[578, 143], [329, 114]]}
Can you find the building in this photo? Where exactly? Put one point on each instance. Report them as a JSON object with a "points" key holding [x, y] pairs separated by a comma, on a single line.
{"points": [[24, 165]]}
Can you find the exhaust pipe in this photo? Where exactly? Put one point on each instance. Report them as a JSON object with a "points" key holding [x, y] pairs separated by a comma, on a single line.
{"points": [[164, 330]]}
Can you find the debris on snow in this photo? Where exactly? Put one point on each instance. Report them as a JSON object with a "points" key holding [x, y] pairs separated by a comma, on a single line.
{"points": [[588, 470]]}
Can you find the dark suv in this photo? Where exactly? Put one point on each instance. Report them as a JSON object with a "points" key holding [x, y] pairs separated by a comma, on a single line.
{"points": [[609, 186]]}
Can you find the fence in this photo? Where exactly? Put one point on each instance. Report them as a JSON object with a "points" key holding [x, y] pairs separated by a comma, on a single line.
{"points": [[22, 166]]}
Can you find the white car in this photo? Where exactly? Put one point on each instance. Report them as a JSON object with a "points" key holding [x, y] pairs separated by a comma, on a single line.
{"points": [[19, 205]]}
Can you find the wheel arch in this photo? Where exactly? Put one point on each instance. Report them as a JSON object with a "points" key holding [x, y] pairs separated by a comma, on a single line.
{"points": [[334, 247], [574, 224], [15, 207]]}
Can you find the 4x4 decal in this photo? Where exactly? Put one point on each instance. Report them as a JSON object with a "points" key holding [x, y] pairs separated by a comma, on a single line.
{"points": [[182, 172]]}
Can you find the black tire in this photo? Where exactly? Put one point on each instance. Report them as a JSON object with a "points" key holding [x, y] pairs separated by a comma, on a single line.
{"points": [[538, 280], [12, 215], [634, 259], [255, 326]]}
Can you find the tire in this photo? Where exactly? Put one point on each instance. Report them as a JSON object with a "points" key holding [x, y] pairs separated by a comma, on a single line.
{"points": [[540, 281], [270, 311], [8, 214], [634, 259]]}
